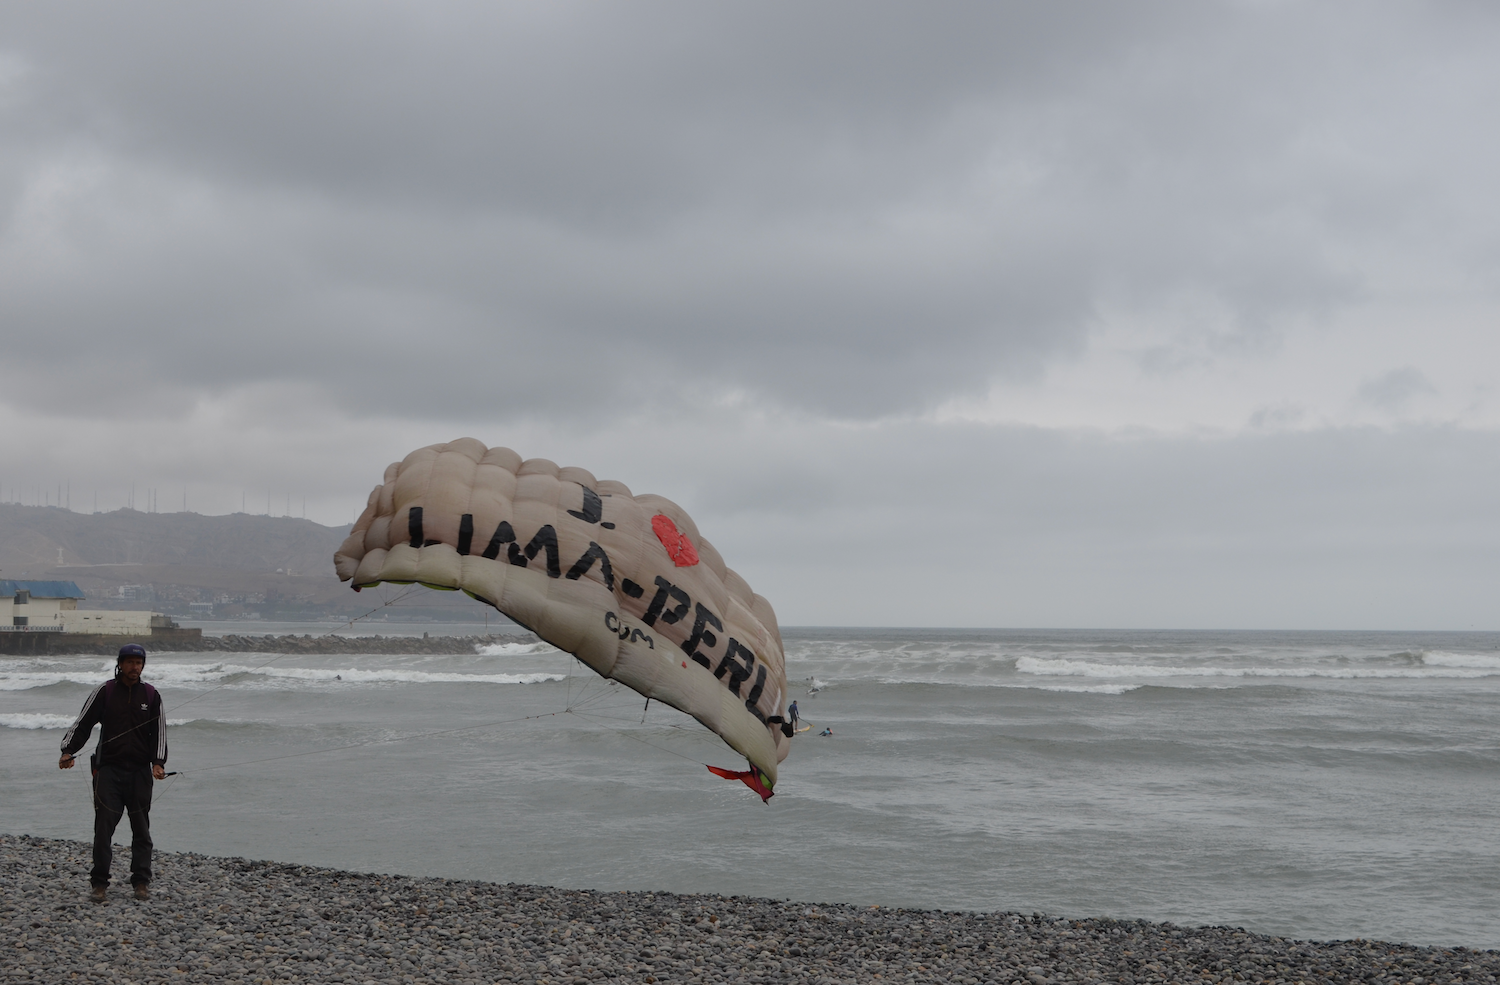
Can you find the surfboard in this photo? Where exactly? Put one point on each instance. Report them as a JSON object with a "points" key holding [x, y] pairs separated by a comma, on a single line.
{"points": [[804, 728]]}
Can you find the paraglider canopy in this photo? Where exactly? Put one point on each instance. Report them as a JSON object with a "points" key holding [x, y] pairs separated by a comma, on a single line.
{"points": [[625, 583]]}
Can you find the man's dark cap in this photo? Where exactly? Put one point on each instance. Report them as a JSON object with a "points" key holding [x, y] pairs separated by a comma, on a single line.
{"points": [[131, 650]]}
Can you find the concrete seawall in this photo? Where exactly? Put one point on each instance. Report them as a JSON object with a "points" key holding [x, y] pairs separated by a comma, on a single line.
{"points": [[31, 643]]}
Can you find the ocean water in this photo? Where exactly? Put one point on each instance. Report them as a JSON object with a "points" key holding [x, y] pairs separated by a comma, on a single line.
{"points": [[379, 625], [1324, 785]]}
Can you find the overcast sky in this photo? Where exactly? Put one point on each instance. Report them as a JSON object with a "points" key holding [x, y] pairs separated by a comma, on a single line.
{"points": [[1030, 314]]}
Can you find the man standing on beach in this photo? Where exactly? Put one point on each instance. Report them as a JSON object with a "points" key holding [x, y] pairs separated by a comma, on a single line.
{"points": [[132, 751]]}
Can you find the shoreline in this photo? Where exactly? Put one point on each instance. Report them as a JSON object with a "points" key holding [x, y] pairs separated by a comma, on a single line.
{"points": [[331, 643], [236, 920]]}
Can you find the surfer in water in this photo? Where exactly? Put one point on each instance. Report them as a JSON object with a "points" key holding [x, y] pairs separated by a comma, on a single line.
{"points": [[827, 731], [794, 715]]}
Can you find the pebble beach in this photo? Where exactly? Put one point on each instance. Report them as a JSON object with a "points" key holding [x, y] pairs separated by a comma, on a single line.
{"points": [[242, 921]]}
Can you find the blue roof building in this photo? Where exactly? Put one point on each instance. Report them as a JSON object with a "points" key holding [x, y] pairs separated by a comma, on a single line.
{"points": [[42, 589], [35, 616]]}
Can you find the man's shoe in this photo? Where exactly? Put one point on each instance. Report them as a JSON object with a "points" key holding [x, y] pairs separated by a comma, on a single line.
{"points": [[96, 894], [142, 891]]}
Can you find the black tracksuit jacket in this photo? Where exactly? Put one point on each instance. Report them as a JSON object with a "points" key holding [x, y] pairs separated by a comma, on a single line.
{"points": [[134, 732]]}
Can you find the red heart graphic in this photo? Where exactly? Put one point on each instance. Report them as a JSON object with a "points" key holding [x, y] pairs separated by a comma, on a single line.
{"points": [[679, 548]]}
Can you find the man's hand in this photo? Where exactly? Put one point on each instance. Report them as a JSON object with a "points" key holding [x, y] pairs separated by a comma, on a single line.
{"points": [[160, 772], [66, 762]]}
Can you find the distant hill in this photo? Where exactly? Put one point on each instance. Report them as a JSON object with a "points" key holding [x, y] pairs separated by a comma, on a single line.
{"points": [[238, 542], [275, 566]]}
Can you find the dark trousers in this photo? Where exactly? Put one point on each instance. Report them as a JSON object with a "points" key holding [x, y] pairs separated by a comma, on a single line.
{"points": [[122, 790]]}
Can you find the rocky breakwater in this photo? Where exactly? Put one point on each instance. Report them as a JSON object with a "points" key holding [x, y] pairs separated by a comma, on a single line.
{"points": [[305, 644], [233, 920]]}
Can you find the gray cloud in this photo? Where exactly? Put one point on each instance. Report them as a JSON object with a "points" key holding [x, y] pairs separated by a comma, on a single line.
{"points": [[1017, 526], [1278, 416], [924, 524], [735, 254], [857, 209], [1393, 391]]}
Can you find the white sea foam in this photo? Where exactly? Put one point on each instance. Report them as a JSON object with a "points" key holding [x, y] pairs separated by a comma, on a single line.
{"points": [[1483, 661], [35, 720], [1088, 688], [1011, 683], [514, 649], [166, 675], [93, 674], [1043, 666], [392, 675], [22, 675], [40, 720]]}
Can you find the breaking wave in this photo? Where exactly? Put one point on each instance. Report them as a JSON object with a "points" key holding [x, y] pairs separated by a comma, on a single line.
{"points": [[1459, 667], [392, 676], [40, 720], [515, 649], [166, 675]]}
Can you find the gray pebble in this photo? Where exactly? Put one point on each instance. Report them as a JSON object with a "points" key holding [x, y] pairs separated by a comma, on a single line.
{"points": [[235, 920]]}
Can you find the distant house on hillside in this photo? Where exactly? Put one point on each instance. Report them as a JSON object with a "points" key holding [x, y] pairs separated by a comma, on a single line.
{"points": [[52, 607]]}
